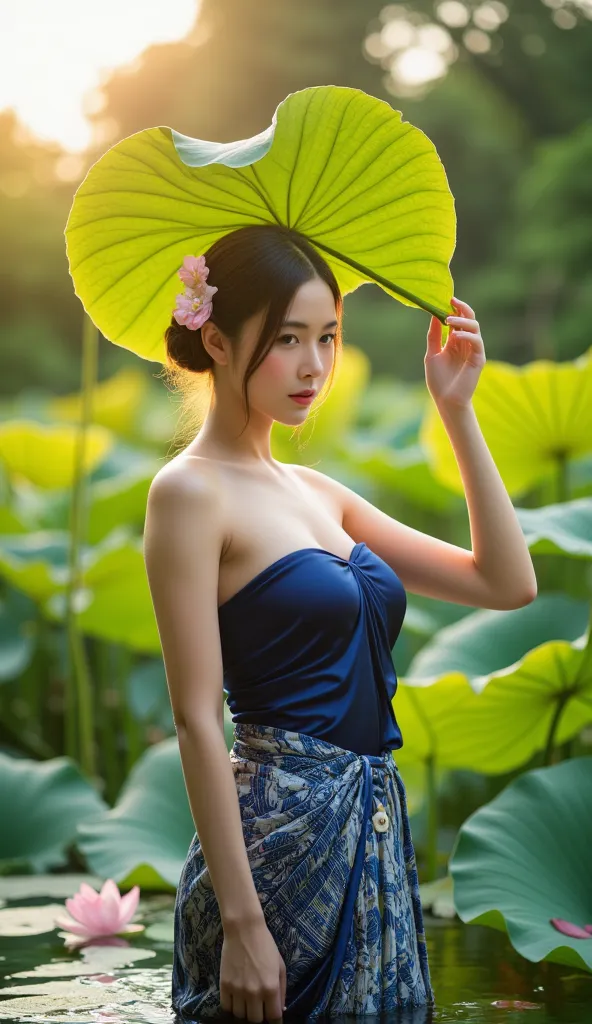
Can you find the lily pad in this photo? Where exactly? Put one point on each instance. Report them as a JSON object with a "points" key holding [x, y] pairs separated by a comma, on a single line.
{"points": [[43, 802], [30, 920], [337, 165], [95, 960], [524, 858]]}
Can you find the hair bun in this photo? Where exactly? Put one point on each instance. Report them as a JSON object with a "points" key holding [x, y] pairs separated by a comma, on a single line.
{"points": [[186, 349]]}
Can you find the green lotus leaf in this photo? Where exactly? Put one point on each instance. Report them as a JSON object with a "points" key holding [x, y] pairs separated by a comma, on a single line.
{"points": [[44, 455], [36, 563], [524, 858], [43, 802], [11, 521], [117, 500], [561, 529], [404, 471], [144, 839], [336, 165], [495, 721], [532, 417], [116, 402], [18, 634], [488, 640], [114, 602]]}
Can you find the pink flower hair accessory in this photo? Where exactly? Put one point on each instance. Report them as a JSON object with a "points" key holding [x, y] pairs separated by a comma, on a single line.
{"points": [[194, 306]]}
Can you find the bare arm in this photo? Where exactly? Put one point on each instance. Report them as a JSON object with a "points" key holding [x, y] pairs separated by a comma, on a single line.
{"points": [[183, 539]]}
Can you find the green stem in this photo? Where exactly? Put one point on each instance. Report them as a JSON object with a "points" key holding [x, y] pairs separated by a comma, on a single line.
{"points": [[554, 726], [562, 478], [108, 726], [134, 745], [371, 275], [79, 668], [432, 826]]}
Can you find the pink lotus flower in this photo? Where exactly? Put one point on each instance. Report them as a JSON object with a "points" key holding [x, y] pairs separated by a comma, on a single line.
{"points": [[96, 914], [191, 310], [194, 307], [573, 930], [194, 272]]}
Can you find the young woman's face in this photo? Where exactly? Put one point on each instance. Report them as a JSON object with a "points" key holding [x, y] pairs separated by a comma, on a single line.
{"points": [[301, 356]]}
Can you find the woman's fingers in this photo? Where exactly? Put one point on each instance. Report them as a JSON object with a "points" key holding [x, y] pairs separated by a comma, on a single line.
{"points": [[464, 322], [463, 307]]}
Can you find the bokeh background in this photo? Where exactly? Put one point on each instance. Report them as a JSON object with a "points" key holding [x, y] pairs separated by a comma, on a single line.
{"points": [[493, 705]]}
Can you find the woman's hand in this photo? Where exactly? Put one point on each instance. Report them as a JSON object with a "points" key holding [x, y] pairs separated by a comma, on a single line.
{"points": [[452, 372], [253, 975]]}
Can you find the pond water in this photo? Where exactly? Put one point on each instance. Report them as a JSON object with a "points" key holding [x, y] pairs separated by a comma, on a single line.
{"points": [[475, 972]]}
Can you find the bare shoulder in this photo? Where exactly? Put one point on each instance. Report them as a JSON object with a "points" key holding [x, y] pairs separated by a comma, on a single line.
{"points": [[185, 495], [327, 487], [184, 475]]}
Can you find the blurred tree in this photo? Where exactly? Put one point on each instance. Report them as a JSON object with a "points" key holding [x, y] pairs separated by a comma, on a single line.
{"points": [[535, 53]]}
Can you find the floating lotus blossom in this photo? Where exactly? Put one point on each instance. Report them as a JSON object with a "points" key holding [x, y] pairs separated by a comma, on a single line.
{"points": [[194, 306], [575, 931], [94, 914]]}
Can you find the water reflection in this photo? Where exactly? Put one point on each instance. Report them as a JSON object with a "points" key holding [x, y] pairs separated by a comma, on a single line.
{"points": [[477, 977]]}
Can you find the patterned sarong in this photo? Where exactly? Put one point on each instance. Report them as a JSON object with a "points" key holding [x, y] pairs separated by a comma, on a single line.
{"points": [[337, 882]]}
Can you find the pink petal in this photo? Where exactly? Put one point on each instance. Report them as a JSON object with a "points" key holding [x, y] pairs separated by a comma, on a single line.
{"points": [[588, 928], [200, 316], [567, 928], [88, 892], [78, 907], [94, 918], [110, 905], [72, 926], [128, 905]]}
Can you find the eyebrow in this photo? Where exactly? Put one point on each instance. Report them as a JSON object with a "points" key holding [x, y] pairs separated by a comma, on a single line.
{"points": [[298, 323]]}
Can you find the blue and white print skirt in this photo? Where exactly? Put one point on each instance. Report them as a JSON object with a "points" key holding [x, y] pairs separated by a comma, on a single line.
{"points": [[329, 844]]}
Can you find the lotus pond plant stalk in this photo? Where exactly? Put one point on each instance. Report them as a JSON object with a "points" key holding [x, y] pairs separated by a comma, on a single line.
{"points": [[79, 715]]}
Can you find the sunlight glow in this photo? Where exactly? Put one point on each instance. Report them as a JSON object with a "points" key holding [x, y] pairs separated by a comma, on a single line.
{"points": [[54, 54]]}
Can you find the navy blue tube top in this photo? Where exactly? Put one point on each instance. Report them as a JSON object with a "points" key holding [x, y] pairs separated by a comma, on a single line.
{"points": [[306, 646]]}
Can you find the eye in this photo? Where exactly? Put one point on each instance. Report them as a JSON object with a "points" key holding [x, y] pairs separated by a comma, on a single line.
{"points": [[283, 337]]}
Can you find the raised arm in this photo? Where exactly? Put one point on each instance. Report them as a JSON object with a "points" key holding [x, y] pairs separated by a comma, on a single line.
{"points": [[183, 539]]}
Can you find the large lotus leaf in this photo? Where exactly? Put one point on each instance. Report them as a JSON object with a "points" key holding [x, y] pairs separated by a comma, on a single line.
{"points": [[45, 455], [561, 529], [41, 803], [404, 471], [496, 722], [524, 858], [116, 402], [18, 634], [11, 521], [144, 839], [112, 501], [114, 600], [531, 417], [488, 640], [36, 563], [336, 165]]}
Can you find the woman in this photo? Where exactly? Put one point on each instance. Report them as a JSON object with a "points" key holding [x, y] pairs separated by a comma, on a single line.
{"points": [[288, 589]]}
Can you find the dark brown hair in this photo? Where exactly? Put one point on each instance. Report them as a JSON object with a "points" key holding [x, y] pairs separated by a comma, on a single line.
{"points": [[258, 267]]}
